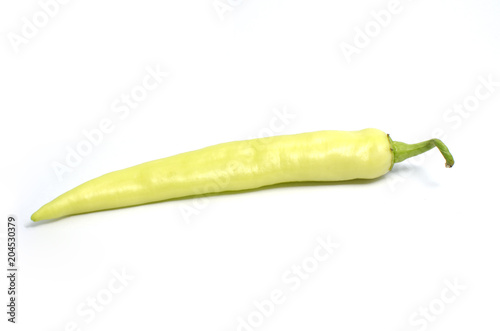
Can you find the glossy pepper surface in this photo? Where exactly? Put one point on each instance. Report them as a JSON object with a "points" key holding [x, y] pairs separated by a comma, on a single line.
{"points": [[241, 165]]}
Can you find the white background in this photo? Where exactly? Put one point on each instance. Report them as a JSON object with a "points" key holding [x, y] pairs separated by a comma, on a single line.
{"points": [[402, 238]]}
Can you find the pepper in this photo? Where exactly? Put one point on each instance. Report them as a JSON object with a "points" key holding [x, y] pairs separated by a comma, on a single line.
{"points": [[241, 165]]}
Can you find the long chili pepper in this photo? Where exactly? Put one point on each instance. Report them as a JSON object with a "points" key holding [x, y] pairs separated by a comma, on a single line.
{"points": [[242, 165]]}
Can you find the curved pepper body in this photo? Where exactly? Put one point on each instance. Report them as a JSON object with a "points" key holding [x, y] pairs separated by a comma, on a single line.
{"points": [[232, 166]]}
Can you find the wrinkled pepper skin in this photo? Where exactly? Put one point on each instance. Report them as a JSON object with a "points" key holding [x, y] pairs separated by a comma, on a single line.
{"points": [[232, 166]]}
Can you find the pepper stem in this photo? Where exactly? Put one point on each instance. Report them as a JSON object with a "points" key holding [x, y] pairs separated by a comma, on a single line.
{"points": [[403, 151]]}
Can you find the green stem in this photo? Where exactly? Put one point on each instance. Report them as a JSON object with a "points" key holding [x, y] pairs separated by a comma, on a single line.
{"points": [[403, 151]]}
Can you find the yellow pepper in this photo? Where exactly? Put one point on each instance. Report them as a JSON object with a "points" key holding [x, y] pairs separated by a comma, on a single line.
{"points": [[242, 165]]}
